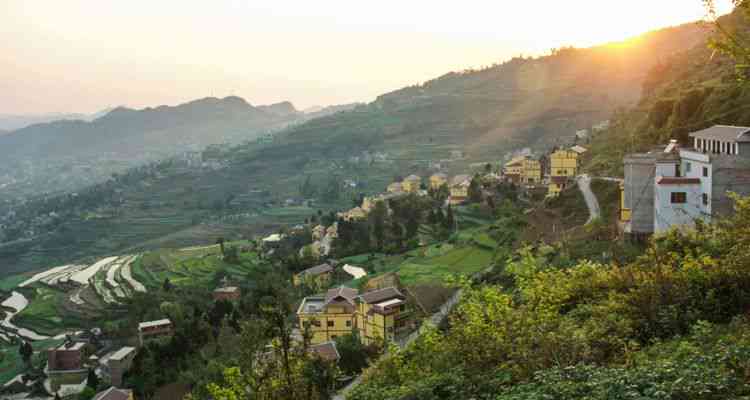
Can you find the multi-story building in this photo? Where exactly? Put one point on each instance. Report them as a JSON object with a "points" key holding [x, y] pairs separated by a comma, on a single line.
{"points": [[438, 180], [459, 190], [65, 364], [115, 364], [411, 184], [523, 170], [674, 186], [154, 329], [563, 166], [379, 314]]}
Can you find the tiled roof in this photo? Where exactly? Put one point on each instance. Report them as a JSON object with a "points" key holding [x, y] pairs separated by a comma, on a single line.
{"points": [[379, 295], [326, 351], [724, 133], [149, 324], [345, 293], [317, 270]]}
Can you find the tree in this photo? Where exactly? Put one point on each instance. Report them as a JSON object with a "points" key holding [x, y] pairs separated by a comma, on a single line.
{"points": [[732, 40], [487, 168], [412, 226], [167, 285], [92, 380], [87, 394], [57, 396], [220, 242], [475, 190], [353, 354], [26, 351], [449, 222]]}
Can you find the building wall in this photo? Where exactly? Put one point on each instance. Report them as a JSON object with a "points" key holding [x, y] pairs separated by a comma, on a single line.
{"points": [[410, 186], [728, 174], [372, 326], [342, 323], [532, 171], [437, 182], [564, 163], [639, 192], [668, 214]]}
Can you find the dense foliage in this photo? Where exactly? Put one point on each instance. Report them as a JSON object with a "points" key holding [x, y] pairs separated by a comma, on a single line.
{"points": [[592, 330]]}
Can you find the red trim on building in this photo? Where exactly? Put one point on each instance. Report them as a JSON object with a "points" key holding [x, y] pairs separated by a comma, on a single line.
{"points": [[679, 181]]}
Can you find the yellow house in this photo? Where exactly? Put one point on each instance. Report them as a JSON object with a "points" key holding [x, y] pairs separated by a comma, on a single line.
{"points": [[411, 184], [329, 316], [354, 214], [438, 180], [563, 166], [624, 212], [531, 171], [459, 189], [395, 187], [320, 274], [514, 167], [377, 315], [563, 162]]}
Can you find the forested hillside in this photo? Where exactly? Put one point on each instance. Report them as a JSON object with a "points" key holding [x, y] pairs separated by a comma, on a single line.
{"points": [[681, 94]]}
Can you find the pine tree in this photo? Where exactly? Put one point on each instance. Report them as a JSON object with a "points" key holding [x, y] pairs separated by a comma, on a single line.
{"points": [[92, 380]]}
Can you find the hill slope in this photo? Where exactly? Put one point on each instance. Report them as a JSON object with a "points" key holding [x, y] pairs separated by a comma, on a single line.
{"points": [[482, 114], [125, 137]]}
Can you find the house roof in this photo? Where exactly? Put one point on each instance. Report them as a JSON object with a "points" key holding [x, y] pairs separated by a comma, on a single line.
{"points": [[439, 175], [149, 324], [678, 181], [226, 289], [460, 179], [273, 238], [342, 292], [376, 296], [122, 353], [317, 270], [412, 178], [724, 133], [327, 351], [579, 149], [113, 393]]}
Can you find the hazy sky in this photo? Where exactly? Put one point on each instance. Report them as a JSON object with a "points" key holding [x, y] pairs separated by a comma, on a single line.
{"points": [[82, 56]]}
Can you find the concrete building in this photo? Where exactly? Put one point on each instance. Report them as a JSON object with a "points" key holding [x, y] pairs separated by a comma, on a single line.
{"points": [[115, 364], [154, 329], [68, 356], [229, 293], [674, 186]]}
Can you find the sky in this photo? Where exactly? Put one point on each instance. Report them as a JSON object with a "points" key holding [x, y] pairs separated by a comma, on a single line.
{"points": [[84, 56]]}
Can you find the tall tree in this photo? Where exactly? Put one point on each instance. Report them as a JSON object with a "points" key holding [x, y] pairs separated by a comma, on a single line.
{"points": [[92, 380]]}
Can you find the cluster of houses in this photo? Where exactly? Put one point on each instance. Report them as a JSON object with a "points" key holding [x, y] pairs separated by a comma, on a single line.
{"points": [[672, 185], [556, 169], [69, 363]]}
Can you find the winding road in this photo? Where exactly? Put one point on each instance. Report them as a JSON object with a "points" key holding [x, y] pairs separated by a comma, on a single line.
{"points": [[584, 184]]}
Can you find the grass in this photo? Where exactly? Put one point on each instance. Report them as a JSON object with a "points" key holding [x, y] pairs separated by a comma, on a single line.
{"points": [[10, 283], [11, 363]]}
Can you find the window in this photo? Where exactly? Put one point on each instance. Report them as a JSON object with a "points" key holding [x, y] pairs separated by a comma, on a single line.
{"points": [[330, 324], [349, 324], [677, 171], [333, 337], [315, 322], [705, 171], [688, 167], [705, 199], [678, 197]]}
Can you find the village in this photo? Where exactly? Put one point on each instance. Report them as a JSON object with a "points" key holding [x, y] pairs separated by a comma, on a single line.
{"points": [[671, 185]]}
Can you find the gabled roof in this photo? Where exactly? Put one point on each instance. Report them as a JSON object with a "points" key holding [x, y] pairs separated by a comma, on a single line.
{"points": [[460, 179], [724, 133], [113, 393], [327, 351], [379, 295], [341, 293], [317, 270]]}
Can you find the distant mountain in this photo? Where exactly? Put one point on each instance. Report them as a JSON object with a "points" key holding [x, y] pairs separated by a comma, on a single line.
{"points": [[318, 111], [124, 137], [284, 108]]}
